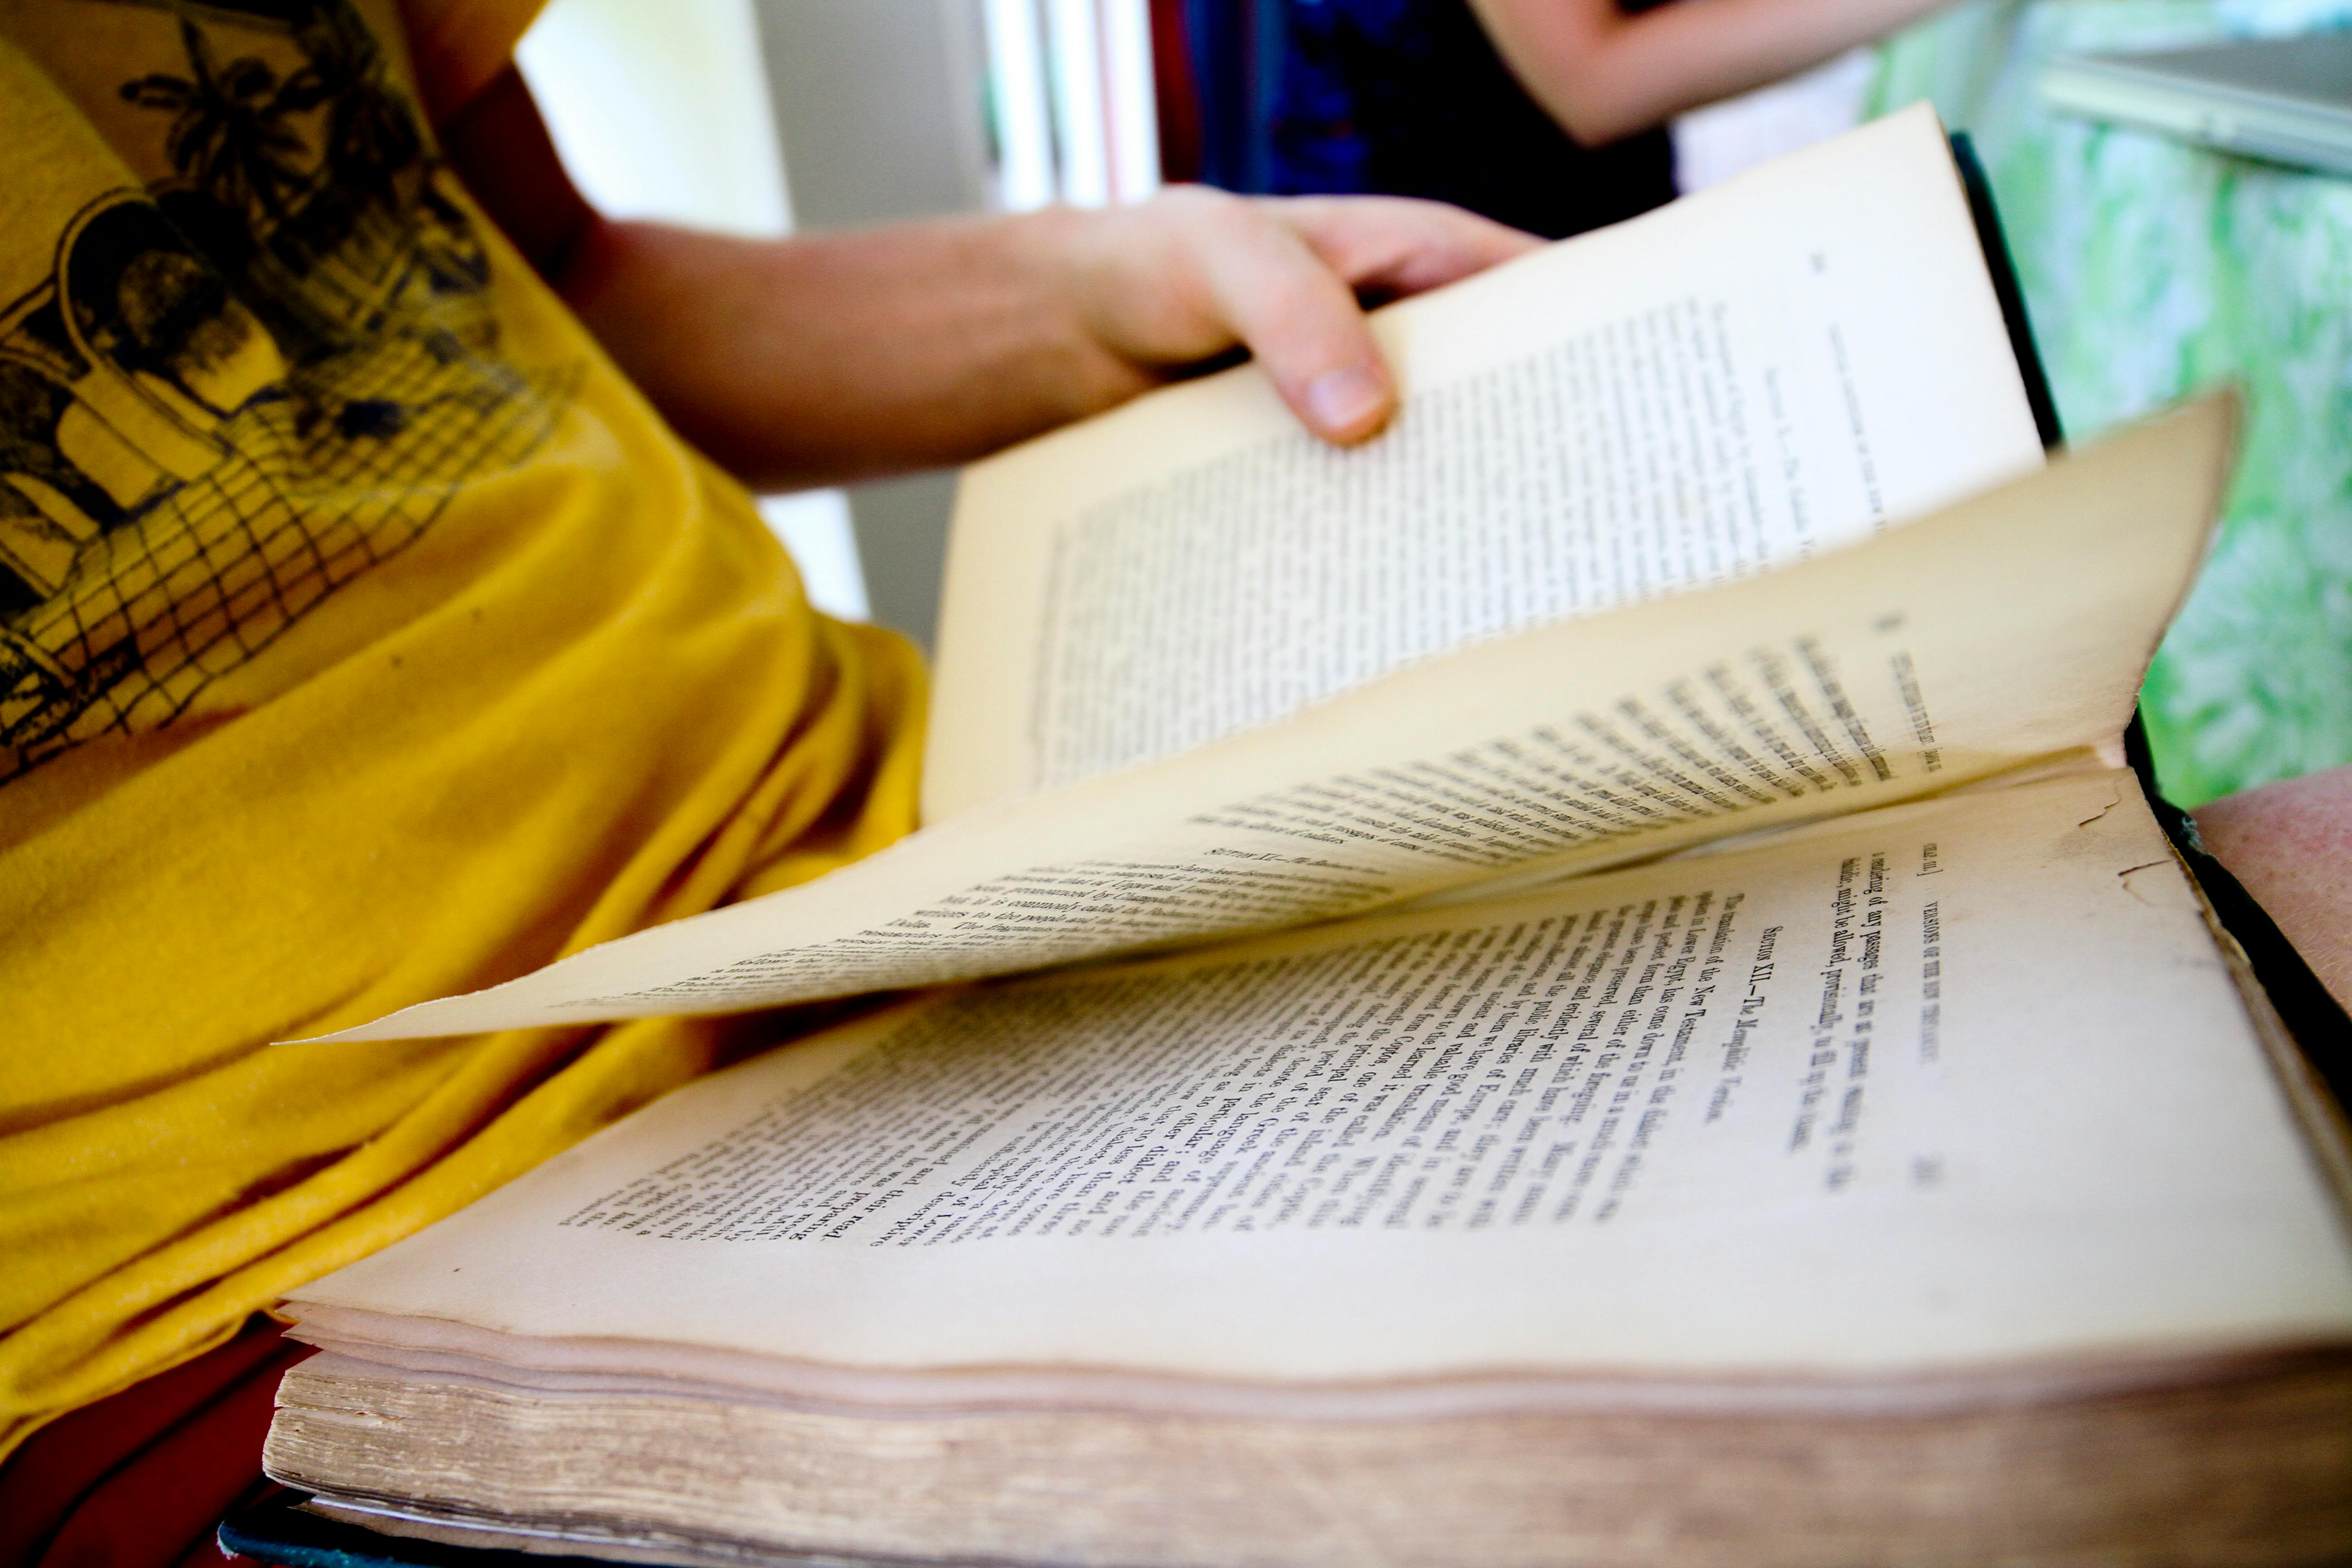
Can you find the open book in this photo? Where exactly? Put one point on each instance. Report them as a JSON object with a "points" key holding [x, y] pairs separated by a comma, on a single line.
{"points": [[1610, 999]]}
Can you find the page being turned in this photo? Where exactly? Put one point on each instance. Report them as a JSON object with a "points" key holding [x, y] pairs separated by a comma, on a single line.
{"points": [[2009, 630]]}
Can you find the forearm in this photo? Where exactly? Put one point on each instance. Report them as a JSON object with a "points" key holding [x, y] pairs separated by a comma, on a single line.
{"points": [[842, 357], [811, 361], [1604, 74], [2291, 845]]}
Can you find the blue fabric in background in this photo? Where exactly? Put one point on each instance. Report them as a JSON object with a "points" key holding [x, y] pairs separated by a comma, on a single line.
{"points": [[1399, 98]]}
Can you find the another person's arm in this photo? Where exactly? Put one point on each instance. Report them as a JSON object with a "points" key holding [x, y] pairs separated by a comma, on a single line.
{"points": [[1604, 74], [2291, 845], [840, 356]]}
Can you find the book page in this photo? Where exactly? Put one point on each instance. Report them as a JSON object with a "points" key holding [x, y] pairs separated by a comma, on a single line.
{"points": [[1956, 1081], [1775, 366], [2004, 631]]}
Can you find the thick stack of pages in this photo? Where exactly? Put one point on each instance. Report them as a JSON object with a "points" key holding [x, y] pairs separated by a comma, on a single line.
{"points": [[1606, 998]]}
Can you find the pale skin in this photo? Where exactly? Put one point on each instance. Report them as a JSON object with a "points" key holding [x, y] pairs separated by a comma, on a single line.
{"points": [[842, 356], [811, 361], [765, 356], [1604, 74], [2291, 843]]}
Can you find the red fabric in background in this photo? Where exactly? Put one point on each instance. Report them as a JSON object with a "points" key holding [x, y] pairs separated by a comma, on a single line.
{"points": [[1178, 94], [139, 1480]]}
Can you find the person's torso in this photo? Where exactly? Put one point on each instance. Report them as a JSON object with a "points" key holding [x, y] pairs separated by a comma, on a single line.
{"points": [[363, 632]]}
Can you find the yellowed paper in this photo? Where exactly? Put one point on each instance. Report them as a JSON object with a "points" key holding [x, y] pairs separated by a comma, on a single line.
{"points": [[1958, 1080], [1772, 368], [2012, 628]]}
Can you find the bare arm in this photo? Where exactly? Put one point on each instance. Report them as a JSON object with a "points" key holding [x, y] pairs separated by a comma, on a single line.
{"points": [[2291, 845], [1604, 74], [840, 356]]}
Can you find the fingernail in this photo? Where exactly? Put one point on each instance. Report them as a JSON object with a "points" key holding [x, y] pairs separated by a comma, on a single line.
{"points": [[1342, 399]]}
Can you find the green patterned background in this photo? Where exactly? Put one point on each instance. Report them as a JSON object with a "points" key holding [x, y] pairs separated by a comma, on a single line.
{"points": [[2150, 268]]}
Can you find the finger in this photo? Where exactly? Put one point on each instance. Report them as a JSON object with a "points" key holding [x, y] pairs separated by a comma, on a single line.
{"points": [[1298, 317], [1398, 245]]}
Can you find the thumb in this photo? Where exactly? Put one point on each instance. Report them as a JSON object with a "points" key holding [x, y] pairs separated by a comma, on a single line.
{"points": [[1301, 321]]}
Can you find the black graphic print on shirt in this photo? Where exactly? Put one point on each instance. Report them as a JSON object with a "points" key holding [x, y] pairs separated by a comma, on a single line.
{"points": [[239, 388]]}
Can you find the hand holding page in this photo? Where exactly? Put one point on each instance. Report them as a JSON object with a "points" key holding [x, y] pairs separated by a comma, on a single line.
{"points": [[1728, 385]]}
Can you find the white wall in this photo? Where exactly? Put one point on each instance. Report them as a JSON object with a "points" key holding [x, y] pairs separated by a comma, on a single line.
{"points": [[880, 107], [662, 112]]}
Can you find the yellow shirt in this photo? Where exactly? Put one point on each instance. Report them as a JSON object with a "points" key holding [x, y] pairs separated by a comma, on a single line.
{"points": [[365, 636]]}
